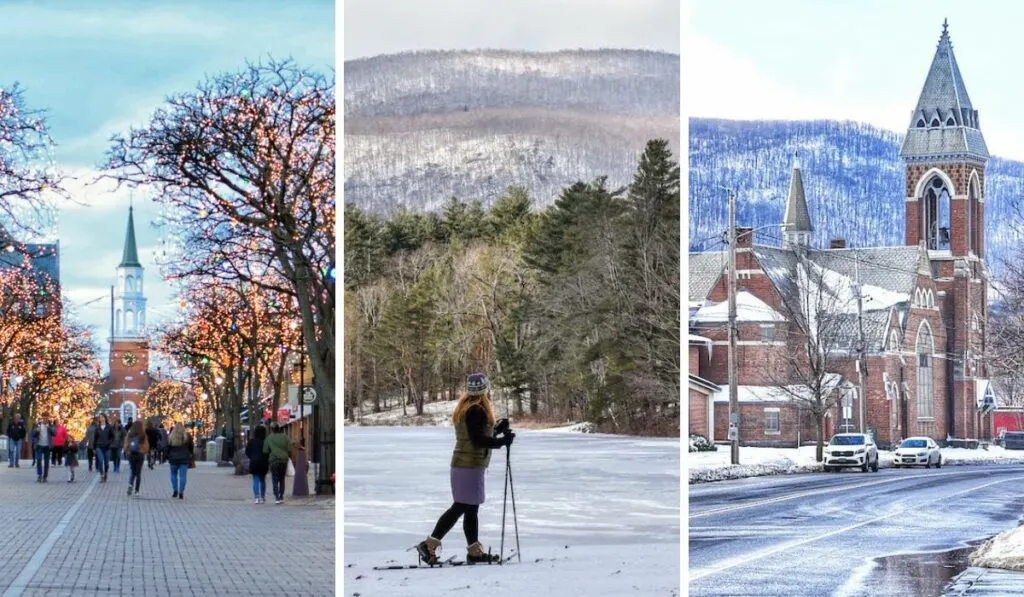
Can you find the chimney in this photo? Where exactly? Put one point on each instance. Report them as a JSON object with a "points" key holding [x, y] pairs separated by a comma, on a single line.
{"points": [[744, 237], [837, 243]]}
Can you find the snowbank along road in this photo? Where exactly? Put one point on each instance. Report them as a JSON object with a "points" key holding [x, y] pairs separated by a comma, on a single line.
{"points": [[820, 534]]}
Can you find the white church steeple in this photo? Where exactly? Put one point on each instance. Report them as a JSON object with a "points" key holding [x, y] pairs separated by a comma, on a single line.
{"points": [[129, 301]]}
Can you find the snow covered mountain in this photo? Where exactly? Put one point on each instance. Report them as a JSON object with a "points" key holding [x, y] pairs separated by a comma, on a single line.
{"points": [[853, 177], [421, 127]]}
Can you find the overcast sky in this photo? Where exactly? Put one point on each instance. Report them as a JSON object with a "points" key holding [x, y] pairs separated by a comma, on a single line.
{"points": [[97, 67], [864, 61], [374, 27]]}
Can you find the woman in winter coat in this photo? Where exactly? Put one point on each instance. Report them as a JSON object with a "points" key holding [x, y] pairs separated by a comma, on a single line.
{"points": [[60, 438], [136, 445], [475, 435], [259, 464], [180, 451], [104, 440]]}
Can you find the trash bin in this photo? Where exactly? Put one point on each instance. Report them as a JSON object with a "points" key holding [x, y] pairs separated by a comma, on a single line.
{"points": [[219, 454], [211, 451], [3, 445]]}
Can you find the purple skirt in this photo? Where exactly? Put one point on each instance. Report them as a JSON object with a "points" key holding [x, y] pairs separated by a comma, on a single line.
{"points": [[468, 485]]}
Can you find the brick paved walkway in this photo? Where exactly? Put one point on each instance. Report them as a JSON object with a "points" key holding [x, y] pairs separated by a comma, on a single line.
{"points": [[89, 538]]}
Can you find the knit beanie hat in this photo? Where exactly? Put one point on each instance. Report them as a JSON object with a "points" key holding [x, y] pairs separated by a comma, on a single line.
{"points": [[476, 384]]}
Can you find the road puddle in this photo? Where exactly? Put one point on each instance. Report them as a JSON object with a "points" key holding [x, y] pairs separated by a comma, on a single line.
{"points": [[916, 574]]}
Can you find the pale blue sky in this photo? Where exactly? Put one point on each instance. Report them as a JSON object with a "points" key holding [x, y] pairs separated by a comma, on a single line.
{"points": [[852, 60], [98, 67]]}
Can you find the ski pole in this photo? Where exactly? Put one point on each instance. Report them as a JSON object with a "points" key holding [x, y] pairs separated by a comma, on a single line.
{"points": [[504, 507], [515, 520]]}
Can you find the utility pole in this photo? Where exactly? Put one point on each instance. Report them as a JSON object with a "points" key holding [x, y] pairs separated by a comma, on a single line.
{"points": [[734, 402], [861, 362]]}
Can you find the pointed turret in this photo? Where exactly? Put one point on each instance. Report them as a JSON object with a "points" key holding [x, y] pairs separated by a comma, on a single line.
{"points": [[944, 122], [130, 257], [796, 224]]}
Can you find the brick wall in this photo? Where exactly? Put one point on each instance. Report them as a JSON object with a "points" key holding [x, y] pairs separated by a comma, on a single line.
{"points": [[698, 412]]}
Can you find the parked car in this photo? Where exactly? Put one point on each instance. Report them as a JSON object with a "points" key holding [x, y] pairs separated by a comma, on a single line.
{"points": [[847, 450], [1013, 440], [918, 451]]}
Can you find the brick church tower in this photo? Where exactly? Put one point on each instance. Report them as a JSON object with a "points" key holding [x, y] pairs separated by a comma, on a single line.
{"points": [[945, 156], [129, 348]]}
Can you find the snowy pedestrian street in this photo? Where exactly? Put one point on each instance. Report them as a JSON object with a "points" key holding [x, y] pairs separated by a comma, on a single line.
{"points": [[598, 515], [895, 532]]}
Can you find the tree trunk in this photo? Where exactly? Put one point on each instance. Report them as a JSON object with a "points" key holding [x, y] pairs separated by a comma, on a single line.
{"points": [[820, 447]]}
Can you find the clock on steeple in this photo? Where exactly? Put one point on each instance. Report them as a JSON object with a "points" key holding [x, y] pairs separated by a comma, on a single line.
{"points": [[129, 359]]}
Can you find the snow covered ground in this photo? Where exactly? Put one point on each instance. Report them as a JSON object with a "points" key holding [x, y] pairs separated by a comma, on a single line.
{"points": [[598, 514], [1005, 550], [705, 467]]}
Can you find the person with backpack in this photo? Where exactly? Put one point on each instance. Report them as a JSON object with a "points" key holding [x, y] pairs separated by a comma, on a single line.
{"points": [[42, 439], [180, 454], [476, 434], [259, 464], [15, 439], [135, 447], [278, 447], [104, 440]]}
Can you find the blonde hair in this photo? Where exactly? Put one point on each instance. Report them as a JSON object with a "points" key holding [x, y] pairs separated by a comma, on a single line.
{"points": [[467, 401], [177, 437]]}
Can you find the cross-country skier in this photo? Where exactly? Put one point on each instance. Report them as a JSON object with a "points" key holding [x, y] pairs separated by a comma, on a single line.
{"points": [[475, 435]]}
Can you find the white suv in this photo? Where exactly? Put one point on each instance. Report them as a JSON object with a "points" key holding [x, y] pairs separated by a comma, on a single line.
{"points": [[849, 450]]}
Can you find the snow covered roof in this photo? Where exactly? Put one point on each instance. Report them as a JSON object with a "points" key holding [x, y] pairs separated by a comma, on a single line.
{"points": [[749, 308], [693, 339], [774, 393]]}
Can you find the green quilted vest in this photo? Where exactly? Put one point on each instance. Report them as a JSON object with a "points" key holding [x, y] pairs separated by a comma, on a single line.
{"points": [[466, 455]]}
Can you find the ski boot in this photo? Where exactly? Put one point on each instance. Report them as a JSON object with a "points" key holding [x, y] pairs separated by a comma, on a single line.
{"points": [[427, 550], [475, 554]]}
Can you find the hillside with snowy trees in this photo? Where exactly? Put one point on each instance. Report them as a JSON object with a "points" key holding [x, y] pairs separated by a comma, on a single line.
{"points": [[852, 174], [422, 127]]}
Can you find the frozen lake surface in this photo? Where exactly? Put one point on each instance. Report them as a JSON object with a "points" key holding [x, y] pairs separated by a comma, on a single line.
{"points": [[598, 514]]}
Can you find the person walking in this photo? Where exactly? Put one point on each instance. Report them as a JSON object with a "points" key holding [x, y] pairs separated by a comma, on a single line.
{"points": [[476, 434], [278, 447], [180, 452], [15, 439], [153, 439], [103, 441], [71, 461], [259, 464], [163, 443], [115, 447], [42, 436], [60, 438], [136, 445], [90, 441]]}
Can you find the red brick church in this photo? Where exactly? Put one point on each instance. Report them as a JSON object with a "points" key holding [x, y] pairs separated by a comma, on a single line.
{"points": [[924, 304], [128, 378]]}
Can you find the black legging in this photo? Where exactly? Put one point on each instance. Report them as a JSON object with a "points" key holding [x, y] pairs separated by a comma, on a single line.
{"points": [[470, 522]]}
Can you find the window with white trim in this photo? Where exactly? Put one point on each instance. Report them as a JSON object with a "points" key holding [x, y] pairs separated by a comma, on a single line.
{"points": [[772, 421], [894, 341]]}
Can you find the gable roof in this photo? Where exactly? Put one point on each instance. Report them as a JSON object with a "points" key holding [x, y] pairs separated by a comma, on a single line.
{"points": [[705, 270]]}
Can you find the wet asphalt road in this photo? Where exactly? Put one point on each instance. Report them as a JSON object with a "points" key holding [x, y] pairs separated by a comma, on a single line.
{"points": [[829, 533]]}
